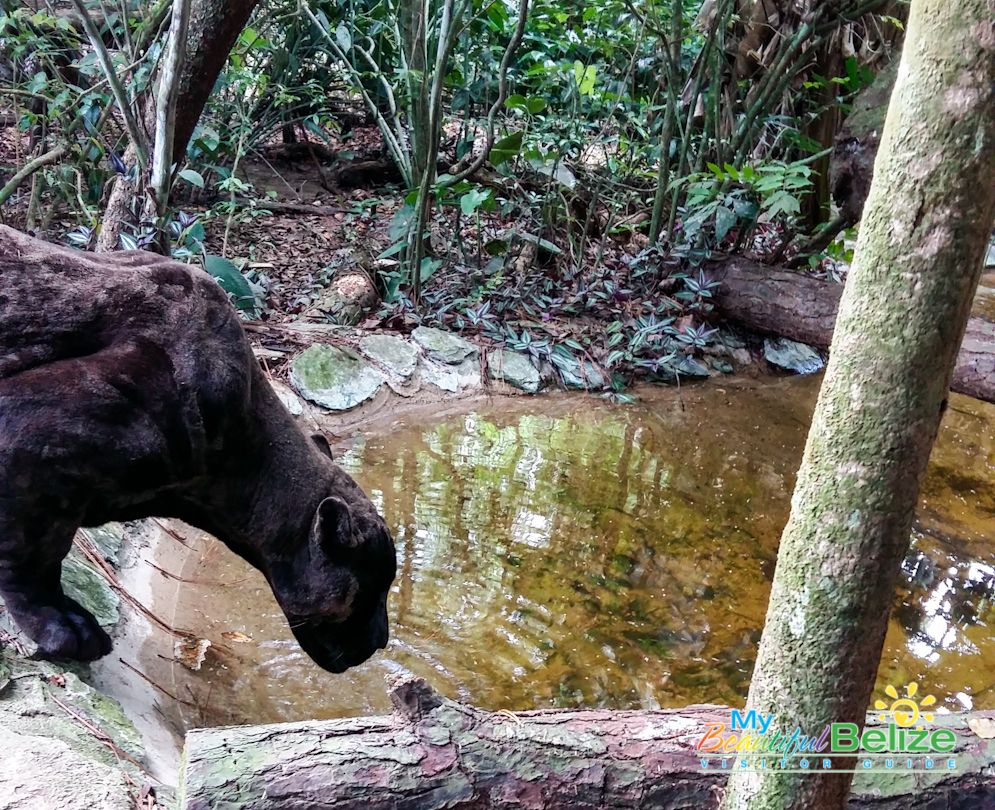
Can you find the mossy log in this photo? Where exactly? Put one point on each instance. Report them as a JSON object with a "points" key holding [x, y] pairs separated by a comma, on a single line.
{"points": [[434, 753], [777, 301]]}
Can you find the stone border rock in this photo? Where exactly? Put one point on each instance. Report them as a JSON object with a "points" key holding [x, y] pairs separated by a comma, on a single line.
{"points": [[342, 369]]}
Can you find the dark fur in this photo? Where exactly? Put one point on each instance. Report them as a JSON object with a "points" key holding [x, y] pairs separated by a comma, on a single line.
{"points": [[128, 389]]}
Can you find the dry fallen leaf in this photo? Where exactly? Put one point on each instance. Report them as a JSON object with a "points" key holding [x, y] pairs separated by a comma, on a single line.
{"points": [[984, 727], [234, 635], [190, 651]]}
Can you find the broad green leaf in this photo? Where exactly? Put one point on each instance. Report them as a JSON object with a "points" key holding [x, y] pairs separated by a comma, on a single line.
{"points": [[428, 267], [780, 202], [724, 222], [543, 243], [584, 77], [192, 177], [343, 38], [233, 282], [516, 102], [472, 200], [206, 138], [557, 170], [398, 228], [507, 148], [195, 236], [536, 104], [394, 249]]}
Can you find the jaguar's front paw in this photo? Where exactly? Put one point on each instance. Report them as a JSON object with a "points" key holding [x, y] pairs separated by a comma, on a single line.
{"points": [[70, 632]]}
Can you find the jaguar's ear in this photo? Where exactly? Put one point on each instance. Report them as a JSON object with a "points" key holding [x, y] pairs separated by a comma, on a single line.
{"points": [[333, 528], [323, 445]]}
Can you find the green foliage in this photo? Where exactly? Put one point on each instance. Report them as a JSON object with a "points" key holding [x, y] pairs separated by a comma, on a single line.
{"points": [[726, 201], [233, 282], [604, 118]]}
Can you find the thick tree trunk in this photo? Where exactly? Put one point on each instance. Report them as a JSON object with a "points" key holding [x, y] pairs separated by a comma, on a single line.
{"points": [[776, 301], [433, 753], [214, 28], [902, 316], [851, 166]]}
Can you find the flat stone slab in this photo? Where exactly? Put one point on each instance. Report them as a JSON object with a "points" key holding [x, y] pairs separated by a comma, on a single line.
{"points": [[51, 760], [289, 399], [444, 347], [452, 378], [334, 378], [570, 370], [514, 368], [793, 356], [393, 353]]}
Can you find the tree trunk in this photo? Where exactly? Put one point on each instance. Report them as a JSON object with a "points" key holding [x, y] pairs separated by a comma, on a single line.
{"points": [[902, 317], [214, 28], [851, 166], [433, 753]]}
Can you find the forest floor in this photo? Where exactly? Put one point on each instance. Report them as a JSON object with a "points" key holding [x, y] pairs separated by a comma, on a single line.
{"points": [[312, 235]]}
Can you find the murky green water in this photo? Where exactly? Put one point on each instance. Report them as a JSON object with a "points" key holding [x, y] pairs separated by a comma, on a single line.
{"points": [[571, 552]]}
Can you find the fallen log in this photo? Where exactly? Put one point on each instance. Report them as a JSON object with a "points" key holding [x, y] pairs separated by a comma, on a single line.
{"points": [[776, 301], [434, 753]]}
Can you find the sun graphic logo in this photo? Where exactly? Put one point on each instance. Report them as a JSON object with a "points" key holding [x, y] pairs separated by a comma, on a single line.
{"points": [[905, 711]]}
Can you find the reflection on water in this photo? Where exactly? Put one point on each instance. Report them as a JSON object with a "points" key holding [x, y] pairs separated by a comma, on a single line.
{"points": [[569, 552]]}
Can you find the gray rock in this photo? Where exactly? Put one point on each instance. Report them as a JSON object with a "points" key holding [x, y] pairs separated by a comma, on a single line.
{"points": [[452, 378], [348, 296], [742, 356], [793, 356], [334, 378], [7, 626], [84, 583], [990, 257], [40, 773], [513, 368], [52, 760], [289, 399], [691, 367], [396, 355], [570, 371], [444, 347], [107, 539]]}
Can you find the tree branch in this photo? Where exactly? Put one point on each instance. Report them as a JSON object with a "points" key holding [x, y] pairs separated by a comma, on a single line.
{"points": [[509, 52], [165, 113], [30, 168], [120, 95]]}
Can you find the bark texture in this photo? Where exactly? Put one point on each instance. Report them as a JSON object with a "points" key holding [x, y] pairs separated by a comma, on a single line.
{"points": [[433, 753], [776, 301], [851, 167], [902, 317], [215, 26], [213, 29]]}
